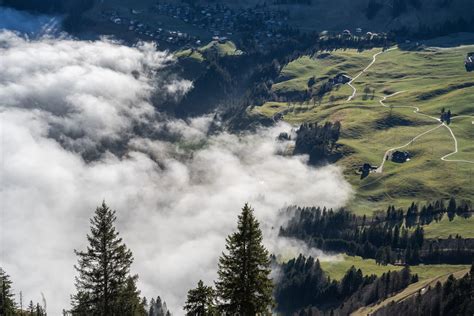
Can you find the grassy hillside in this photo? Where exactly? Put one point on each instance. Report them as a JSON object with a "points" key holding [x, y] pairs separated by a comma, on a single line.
{"points": [[429, 79], [458, 226], [226, 48], [295, 75], [411, 290], [337, 269]]}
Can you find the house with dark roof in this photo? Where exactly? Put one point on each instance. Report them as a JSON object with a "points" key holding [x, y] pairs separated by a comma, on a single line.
{"points": [[469, 62]]}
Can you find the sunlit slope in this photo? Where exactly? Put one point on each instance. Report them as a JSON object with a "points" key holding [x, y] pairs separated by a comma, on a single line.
{"points": [[413, 289], [336, 269], [443, 229], [429, 79]]}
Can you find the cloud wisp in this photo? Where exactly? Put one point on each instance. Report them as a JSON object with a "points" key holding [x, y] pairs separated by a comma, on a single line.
{"points": [[177, 197], [32, 25]]}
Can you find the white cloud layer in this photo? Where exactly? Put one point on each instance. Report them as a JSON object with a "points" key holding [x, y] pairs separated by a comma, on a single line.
{"points": [[176, 201]]}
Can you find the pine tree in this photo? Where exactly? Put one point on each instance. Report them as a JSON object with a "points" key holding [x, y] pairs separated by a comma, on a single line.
{"points": [[158, 308], [129, 300], [7, 302], [244, 286], [104, 285], [452, 205], [151, 310], [39, 310], [200, 301]]}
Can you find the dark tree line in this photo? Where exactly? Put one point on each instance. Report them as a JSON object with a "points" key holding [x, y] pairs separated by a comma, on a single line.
{"points": [[454, 297], [8, 305], [304, 286], [342, 231], [431, 212], [318, 141], [158, 308], [451, 251], [7, 297], [381, 288], [303, 283], [395, 236]]}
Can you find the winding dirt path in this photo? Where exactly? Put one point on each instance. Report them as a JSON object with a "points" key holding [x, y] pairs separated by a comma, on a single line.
{"points": [[455, 143], [416, 110], [374, 58]]}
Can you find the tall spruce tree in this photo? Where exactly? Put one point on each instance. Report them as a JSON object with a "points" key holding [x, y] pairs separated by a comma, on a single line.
{"points": [[104, 284], [158, 308], [200, 301], [7, 301], [244, 286]]}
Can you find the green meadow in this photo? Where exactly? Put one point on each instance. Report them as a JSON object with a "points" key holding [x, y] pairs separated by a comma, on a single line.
{"points": [[430, 79], [337, 269]]}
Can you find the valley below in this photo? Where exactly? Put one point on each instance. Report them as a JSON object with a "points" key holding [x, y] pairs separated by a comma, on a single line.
{"points": [[349, 144]]}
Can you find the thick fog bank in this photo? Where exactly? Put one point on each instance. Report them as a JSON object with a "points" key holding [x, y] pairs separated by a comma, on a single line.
{"points": [[177, 198]]}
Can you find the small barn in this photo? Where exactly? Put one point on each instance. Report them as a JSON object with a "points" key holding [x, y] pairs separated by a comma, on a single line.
{"points": [[340, 79], [366, 169], [400, 156], [469, 62]]}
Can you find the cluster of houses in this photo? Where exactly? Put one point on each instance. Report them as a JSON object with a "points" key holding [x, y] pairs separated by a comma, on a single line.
{"points": [[358, 32], [221, 20], [265, 26], [133, 23], [218, 21]]}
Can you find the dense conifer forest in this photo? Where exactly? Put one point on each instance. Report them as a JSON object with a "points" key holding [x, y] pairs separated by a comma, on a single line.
{"points": [[395, 236], [454, 297], [304, 288]]}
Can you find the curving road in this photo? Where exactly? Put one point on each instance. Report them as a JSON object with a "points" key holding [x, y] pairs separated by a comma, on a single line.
{"points": [[455, 143], [416, 111], [374, 58]]}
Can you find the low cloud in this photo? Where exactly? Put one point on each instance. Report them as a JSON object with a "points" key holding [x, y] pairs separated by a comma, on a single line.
{"points": [[177, 191], [87, 92]]}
